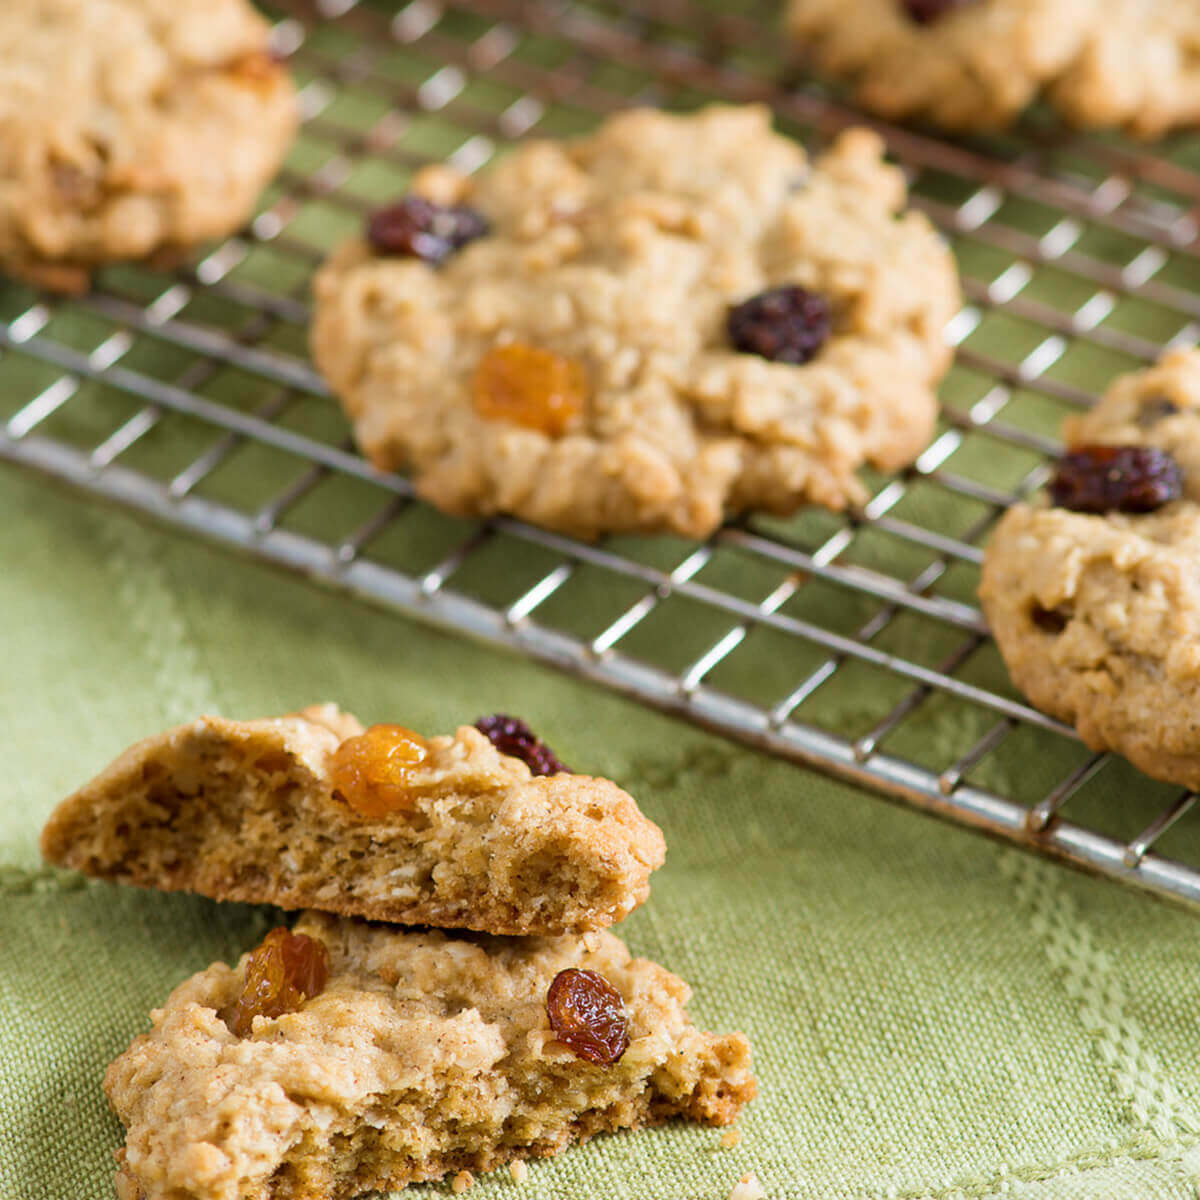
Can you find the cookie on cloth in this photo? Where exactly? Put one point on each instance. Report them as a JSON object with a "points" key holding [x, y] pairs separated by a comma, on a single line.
{"points": [[310, 811], [130, 128], [376, 1057], [671, 320], [1095, 600], [964, 64]]}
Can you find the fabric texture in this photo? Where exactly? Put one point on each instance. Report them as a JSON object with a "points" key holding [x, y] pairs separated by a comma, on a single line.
{"points": [[933, 1015]]}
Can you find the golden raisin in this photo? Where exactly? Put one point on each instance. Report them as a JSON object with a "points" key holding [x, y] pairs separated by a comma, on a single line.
{"points": [[587, 1013], [373, 772], [284, 971], [529, 386], [257, 71]]}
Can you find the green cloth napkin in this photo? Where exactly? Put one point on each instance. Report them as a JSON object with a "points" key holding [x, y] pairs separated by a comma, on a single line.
{"points": [[933, 1015]]}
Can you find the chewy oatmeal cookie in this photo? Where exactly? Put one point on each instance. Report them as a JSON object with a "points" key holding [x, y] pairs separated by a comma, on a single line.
{"points": [[305, 811], [975, 64], [420, 1054], [1096, 610], [671, 320], [1138, 69], [130, 127], [965, 64]]}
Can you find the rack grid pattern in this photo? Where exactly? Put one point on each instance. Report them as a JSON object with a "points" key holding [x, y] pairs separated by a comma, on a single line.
{"points": [[851, 643]]}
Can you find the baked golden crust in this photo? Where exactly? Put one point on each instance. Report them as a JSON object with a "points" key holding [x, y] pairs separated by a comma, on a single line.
{"points": [[245, 810], [1119, 655], [425, 1054]]}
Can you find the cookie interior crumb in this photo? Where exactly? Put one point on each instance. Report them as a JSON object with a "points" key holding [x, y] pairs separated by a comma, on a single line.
{"points": [[731, 1138], [461, 1182], [424, 1056], [247, 810], [518, 1170]]}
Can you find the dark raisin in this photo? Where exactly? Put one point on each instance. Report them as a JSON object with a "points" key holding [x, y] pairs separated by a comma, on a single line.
{"points": [[925, 12], [784, 324], [1130, 479], [1048, 620], [587, 1013], [419, 228], [510, 735], [1156, 409]]}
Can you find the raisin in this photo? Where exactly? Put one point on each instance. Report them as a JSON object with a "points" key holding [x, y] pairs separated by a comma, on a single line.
{"points": [[281, 974], [419, 228], [925, 12], [587, 1013], [1048, 620], [1129, 479], [785, 324], [510, 735], [1155, 409], [257, 71], [373, 772], [529, 386]]}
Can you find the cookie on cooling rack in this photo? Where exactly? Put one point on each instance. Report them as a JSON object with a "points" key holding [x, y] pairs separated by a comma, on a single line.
{"points": [[481, 830], [1095, 600], [965, 64], [388, 1056], [130, 128], [1138, 68], [975, 64], [673, 319]]}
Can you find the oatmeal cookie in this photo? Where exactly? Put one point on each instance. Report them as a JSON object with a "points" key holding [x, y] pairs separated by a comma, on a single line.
{"points": [[1138, 68], [304, 811], [131, 127], [673, 319], [1097, 614], [422, 1054], [974, 64]]}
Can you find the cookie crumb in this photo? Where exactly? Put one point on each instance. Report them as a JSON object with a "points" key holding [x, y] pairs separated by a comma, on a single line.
{"points": [[518, 1170], [747, 1188], [731, 1138], [461, 1182]]}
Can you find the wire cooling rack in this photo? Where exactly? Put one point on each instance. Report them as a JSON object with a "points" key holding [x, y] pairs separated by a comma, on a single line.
{"points": [[849, 643]]}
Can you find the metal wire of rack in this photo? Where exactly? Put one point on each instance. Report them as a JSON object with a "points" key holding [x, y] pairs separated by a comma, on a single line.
{"points": [[849, 643]]}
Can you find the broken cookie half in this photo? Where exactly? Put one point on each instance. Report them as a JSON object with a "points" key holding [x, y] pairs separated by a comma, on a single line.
{"points": [[402, 1055], [312, 811]]}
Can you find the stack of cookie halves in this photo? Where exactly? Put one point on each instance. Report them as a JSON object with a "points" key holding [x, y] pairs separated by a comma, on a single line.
{"points": [[449, 1000]]}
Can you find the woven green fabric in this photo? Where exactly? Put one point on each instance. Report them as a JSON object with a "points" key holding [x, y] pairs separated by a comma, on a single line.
{"points": [[933, 1015]]}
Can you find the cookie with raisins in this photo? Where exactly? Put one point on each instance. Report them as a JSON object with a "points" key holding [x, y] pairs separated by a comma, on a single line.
{"points": [[962, 64], [976, 64], [312, 811], [1137, 69], [672, 320], [132, 128], [415, 1055], [1094, 599]]}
